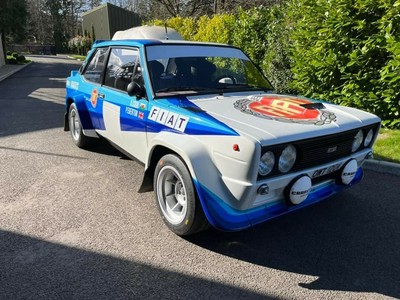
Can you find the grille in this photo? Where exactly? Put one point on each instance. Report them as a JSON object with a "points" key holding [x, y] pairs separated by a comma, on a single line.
{"points": [[317, 151]]}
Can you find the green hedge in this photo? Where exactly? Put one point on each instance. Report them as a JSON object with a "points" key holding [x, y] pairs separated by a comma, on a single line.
{"points": [[348, 52], [260, 32], [344, 51]]}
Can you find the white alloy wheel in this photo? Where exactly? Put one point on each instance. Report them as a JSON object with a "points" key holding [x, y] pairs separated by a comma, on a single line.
{"points": [[176, 197], [172, 195]]}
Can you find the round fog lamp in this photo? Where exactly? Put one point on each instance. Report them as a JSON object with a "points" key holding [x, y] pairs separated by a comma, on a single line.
{"points": [[349, 171], [299, 189]]}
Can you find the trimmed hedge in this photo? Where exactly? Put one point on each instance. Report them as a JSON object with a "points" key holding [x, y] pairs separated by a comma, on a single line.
{"points": [[344, 51], [348, 52]]}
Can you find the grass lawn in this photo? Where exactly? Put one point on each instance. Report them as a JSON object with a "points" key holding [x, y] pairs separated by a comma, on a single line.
{"points": [[78, 57], [387, 146]]}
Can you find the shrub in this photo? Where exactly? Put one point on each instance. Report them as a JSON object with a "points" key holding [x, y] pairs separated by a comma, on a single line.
{"points": [[11, 61], [20, 59], [15, 54], [344, 51], [348, 51]]}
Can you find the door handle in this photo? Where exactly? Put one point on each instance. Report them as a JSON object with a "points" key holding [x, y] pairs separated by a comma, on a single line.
{"points": [[102, 96]]}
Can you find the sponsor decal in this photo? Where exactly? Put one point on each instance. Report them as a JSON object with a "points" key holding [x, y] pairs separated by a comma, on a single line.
{"points": [[93, 98], [286, 109], [141, 115], [169, 118], [131, 111], [134, 104], [74, 85], [142, 106]]}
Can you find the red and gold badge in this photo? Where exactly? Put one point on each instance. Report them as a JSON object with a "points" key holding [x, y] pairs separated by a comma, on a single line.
{"points": [[93, 98]]}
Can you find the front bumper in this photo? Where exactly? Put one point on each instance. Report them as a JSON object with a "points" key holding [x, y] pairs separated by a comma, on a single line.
{"points": [[224, 217]]}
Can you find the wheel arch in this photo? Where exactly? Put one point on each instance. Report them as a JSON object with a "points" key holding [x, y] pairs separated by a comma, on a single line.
{"points": [[155, 155], [68, 103], [193, 154], [86, 121]]}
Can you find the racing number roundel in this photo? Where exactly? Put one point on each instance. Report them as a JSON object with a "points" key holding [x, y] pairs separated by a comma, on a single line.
{"points": [[93, 98], [286, 108]]}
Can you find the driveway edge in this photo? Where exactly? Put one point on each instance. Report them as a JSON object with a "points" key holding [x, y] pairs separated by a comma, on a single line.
{"points": [[382, 166], [5, 72]]}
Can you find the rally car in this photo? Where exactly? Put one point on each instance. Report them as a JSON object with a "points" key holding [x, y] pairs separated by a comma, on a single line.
{"points": [[218, 145]]}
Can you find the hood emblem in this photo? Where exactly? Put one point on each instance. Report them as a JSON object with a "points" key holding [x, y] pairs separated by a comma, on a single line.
{"points": [[286, 109]]}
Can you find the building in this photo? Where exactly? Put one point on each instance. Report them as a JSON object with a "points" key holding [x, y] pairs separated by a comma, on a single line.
{"points": [[104, 20]]}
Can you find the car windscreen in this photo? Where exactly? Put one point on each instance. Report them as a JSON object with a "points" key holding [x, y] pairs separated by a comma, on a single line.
{"points": [[191, 69]]}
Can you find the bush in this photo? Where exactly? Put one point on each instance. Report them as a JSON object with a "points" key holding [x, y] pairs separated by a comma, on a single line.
{"points": [[348, 52], [15, 54], [260, 32], [9, 53], [11, 61], [344, 51], [20, 59]]}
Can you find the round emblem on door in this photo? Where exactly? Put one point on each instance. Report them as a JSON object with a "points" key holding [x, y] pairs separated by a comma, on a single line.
{"points": [[93, 98]]}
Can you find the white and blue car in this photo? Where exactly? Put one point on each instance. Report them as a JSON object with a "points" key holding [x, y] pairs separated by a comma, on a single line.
{"points": [[218, 145]]}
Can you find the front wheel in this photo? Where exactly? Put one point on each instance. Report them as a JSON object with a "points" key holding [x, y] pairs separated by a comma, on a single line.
{"points": [[176, 197], [75, 126]]}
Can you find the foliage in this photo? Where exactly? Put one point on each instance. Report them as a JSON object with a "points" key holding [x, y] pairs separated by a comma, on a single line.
{"points": [[11, 61], [217, 29], [348, 51], [80, 44], [14, 58], [258, 31], [262, 34], [13, 15]]}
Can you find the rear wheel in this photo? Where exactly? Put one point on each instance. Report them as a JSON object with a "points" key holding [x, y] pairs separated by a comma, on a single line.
{"points": [[75, 127], [176, 197]]}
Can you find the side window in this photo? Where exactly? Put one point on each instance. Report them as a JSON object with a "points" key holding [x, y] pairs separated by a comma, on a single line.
{"points": [[95, 67], [123, 67]]}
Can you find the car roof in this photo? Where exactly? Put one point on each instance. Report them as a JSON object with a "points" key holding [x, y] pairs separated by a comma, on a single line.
{"points": [[149, 42]]}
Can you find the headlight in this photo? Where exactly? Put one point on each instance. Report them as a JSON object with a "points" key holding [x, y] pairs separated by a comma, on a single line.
{"points": [[266, 163], [368, 138], [357, 141], [287, 159]]}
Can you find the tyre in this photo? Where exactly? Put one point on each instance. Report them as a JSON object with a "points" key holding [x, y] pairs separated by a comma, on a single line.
{"points": [[176, 197], [75, 127]]}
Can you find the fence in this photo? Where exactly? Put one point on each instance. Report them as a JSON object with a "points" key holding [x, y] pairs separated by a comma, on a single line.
{"points": [[33, 49]]}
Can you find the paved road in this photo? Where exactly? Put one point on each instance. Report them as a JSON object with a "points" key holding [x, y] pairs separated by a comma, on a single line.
{"points": [[72, 225]]}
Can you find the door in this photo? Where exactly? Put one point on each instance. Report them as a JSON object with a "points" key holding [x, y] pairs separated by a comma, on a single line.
{"points": [[124, 115]]}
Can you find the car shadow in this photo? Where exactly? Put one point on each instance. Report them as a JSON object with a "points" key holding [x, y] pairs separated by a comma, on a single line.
{"points": [[351, 241], [36, 269]]}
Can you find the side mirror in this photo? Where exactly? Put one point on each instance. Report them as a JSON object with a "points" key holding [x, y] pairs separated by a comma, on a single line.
{"points": [[135, 89]]}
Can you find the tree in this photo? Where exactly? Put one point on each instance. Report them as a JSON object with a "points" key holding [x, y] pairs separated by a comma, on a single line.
{"points": [[186, 8], [13, 16]]}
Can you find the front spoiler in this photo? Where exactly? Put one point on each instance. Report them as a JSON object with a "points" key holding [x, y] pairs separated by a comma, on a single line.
{"points": [[223, 217]]}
